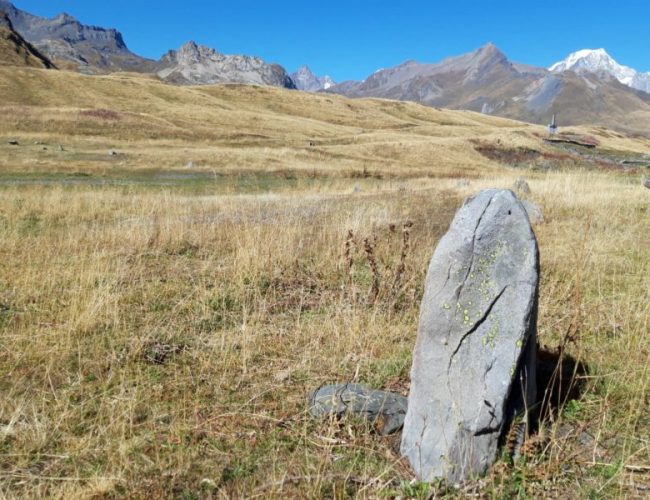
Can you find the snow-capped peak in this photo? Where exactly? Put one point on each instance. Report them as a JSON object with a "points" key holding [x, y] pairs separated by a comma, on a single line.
{"points": [[593, 61]]}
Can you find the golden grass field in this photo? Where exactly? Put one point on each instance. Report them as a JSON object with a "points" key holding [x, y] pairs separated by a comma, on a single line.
{"points": [[161, 326]]}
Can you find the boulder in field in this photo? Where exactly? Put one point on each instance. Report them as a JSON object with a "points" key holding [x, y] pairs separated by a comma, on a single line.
{"points": [[521, 187]]}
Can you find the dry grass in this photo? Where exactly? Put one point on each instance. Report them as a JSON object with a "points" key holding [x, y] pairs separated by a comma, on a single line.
{"points": [[154, 340], [237, 128], [160, 342]]}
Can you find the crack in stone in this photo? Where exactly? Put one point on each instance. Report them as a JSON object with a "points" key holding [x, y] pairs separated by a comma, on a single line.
{"points": [[487, 430], [459, 291], [471, 262], [476, 325]]}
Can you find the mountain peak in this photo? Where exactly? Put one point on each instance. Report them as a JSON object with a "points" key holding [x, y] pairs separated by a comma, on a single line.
{"points": [[594, 61], [305, 79], [599, 61], [64, 17], [489, 52]]}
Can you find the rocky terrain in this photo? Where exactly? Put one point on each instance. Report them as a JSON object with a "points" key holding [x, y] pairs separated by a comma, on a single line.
{"points": [[16, 51], [487, 81], [306, 80], [69, 43], [200, 65]]}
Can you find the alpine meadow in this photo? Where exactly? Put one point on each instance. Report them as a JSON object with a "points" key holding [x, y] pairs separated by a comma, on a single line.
{"points": [[191, 247]]}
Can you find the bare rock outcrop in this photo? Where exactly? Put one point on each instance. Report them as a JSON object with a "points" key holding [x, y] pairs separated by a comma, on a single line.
{"points": [[194, 64]]}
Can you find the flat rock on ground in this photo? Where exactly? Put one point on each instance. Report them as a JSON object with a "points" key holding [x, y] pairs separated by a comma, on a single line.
{"points": [[474, 361], [385, 410]]}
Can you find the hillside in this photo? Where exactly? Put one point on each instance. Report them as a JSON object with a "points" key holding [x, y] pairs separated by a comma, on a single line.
{"points": [[16, 51], [161, 125]]}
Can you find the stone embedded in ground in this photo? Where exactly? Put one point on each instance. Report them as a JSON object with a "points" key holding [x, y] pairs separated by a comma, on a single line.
{"points": [[13, 142], [112, 152], [383, 409], [646, 183], [474, 361], [520, 186], [534, 212]]}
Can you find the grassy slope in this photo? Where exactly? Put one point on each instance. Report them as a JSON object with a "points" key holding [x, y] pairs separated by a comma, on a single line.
{"points": [[158, 343], [240, 127]]}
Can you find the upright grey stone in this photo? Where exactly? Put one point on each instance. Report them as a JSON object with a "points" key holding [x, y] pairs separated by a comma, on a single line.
{"points": [[521, 187], [646, 183], [474, 361]]}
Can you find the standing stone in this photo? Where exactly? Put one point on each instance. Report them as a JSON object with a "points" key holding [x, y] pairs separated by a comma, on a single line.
{"points": [[646, 183], [521, 187], [474, 361]]}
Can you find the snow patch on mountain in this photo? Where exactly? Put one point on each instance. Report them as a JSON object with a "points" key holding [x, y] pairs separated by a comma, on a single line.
{"points": [[599, 61]]}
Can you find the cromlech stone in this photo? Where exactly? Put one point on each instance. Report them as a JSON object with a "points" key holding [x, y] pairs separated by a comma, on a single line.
{"points": [[61, 148], [190, 164], [385, 410], [13, 142], [646, 183], [112, 152], [535, 214], [521, 187], [474, 361]]}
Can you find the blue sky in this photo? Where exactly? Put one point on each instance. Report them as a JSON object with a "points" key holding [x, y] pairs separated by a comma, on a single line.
{"points": [[351, 39]]}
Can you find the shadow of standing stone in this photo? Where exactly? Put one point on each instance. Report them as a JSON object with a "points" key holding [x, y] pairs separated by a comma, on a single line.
{"points": [[474, 361]]}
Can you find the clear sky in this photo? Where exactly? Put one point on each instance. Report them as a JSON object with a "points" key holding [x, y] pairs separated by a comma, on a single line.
{"points": [[351, 39]]}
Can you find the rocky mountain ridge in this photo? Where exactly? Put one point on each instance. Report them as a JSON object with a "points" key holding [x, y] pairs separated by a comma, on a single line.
{"points": [[486, 81], [89, 49], [194, 64]]}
